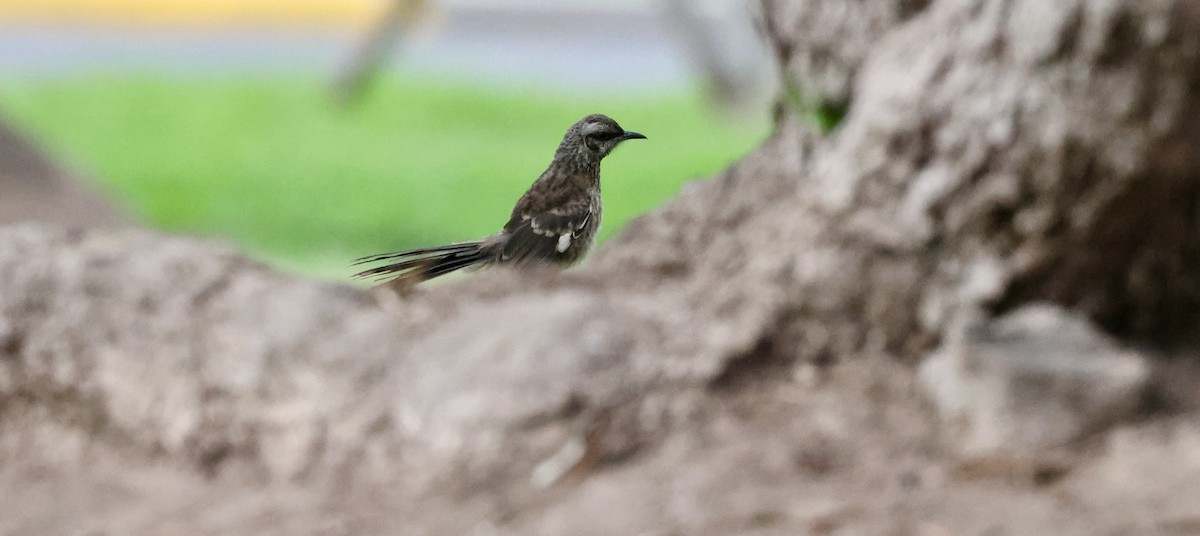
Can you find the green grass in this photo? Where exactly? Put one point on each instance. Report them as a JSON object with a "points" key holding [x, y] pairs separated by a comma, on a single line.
{"points": [[270, 164]]}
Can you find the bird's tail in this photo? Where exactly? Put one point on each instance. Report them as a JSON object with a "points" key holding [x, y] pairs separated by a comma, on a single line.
{"points": [[416, 265]]}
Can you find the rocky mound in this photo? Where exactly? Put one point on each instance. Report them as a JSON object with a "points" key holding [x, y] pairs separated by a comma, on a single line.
{"points": [[968, 309]]}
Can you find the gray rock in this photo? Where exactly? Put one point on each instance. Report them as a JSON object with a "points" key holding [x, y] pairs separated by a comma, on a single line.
{"points": [[821, 44], [152, 385], [1034, 379]]}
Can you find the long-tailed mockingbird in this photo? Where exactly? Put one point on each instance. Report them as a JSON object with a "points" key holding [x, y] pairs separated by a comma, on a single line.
{"points": [[554, 223]]}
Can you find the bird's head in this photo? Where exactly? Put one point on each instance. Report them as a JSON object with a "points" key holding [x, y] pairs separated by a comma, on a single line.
{"points": [[596, 135]]}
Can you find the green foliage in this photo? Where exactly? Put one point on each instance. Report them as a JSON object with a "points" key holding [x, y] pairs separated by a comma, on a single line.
{"points": [[273, 165], [823, 115]]}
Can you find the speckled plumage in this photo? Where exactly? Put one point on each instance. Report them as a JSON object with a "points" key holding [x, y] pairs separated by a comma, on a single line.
{"points": [[554, 222]]}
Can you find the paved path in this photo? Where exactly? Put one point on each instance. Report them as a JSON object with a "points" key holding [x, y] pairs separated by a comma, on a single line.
{"points": [[604, 50]]}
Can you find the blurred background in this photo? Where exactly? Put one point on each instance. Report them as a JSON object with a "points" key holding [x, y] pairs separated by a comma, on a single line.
{"points": [[312, 132]]}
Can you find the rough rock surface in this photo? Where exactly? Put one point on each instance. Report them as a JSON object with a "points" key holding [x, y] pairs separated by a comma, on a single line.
{"points": [[740, 361], [821, 44], [1034, 379]]}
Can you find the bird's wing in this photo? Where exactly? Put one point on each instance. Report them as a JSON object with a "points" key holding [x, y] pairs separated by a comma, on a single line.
{"points": [[546, 234]]}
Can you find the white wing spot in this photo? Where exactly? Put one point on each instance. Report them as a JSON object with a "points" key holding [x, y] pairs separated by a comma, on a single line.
{"points": [[564, 242]]}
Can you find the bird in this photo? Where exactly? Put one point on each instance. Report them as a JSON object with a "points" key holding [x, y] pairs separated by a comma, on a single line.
{"points": [[554, 223]]}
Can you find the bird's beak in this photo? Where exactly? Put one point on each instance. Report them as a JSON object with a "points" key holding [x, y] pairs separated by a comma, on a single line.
{"points": [[631, 136]]}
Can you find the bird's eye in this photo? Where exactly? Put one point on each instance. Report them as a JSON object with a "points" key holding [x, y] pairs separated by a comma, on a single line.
{"points": [[605, 135]]}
